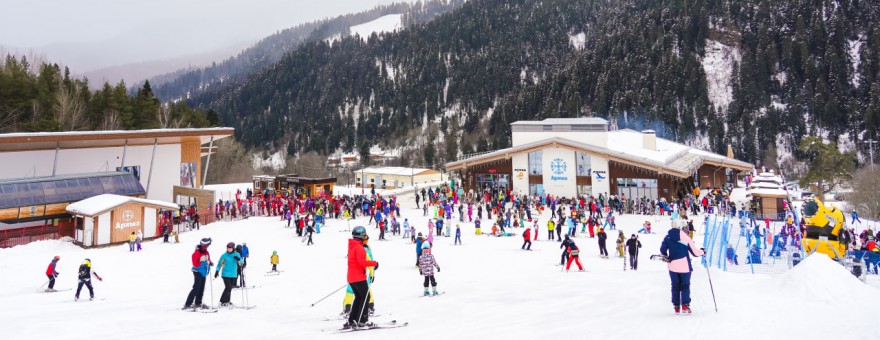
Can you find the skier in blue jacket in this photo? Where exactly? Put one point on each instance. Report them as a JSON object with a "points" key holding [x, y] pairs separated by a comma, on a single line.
{"points": [[419, 241], [229, 263]]}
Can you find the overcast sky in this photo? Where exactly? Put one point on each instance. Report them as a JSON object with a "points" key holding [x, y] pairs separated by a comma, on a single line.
{"points": [[159, 28]]}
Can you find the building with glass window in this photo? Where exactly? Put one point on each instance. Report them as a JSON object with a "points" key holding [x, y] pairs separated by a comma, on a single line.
{"points": [[44, 172], [580, 156]]}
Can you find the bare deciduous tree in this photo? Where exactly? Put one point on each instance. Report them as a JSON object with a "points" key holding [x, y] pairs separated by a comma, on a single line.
{"points": [[112, 121], [866, 195], [166, 119], [70, 109]]}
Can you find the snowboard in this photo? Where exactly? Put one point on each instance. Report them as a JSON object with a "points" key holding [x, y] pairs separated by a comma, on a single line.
{"points": [[384, 325]]}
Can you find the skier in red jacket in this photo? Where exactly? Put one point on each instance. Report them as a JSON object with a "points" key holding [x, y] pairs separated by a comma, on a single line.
{"points": [[357, 278], [527, 239]]}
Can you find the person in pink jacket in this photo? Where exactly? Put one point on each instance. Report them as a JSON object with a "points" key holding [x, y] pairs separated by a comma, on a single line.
{"points": [[678, 247]]}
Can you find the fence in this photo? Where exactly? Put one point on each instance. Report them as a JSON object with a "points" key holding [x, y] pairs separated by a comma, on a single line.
{"points": [[732, 245], [20, 236]]}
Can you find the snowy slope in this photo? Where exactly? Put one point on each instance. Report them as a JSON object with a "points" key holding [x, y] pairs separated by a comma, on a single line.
{"points": [[388, 23], [493, 291], [719, 63]]}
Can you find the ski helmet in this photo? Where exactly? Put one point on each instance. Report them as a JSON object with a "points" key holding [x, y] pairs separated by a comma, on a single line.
{"points": [[426, 245], [206, 241], [359, 233], [57, 258], [230, 245]]}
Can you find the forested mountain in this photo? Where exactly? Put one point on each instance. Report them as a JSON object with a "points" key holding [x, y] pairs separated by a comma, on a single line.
{"points": [[755, 74], [44, 97], [188, 82]]}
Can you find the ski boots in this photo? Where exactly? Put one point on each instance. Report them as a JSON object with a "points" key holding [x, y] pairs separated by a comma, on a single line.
{"points": [[427, 293], [435, 292], [686, 309], [677, 310]]}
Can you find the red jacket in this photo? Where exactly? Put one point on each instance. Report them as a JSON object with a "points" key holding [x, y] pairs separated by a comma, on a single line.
{"points": [[357, 261], [527, 234]]}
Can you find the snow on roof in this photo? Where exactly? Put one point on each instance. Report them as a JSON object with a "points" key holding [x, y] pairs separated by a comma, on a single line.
{"points": [[98, 204], [563, 121], [768, 192], [630, 142], [392, 170]]}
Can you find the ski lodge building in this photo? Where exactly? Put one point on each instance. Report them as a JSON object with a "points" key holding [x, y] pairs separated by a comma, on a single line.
{"points": [[580, 156], [44, 172]]}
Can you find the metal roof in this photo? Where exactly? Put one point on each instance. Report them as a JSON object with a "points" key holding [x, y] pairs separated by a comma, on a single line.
{"points": [[96, 139], [34, 191]]}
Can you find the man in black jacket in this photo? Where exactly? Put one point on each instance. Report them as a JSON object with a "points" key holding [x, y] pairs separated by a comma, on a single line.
{"points": [[564, 246], [632, 246]]}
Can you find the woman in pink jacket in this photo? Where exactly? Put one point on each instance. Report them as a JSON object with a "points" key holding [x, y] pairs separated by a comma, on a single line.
{"points": [[678, 247]]}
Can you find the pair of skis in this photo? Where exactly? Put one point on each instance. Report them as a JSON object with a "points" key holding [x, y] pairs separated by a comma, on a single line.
{"points": [[383, 325]]}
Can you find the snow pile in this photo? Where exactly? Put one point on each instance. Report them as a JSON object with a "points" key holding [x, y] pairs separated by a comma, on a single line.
{"points": [[388, 23], [275, 161], [719, 63], [821, 279], [578, 41]]}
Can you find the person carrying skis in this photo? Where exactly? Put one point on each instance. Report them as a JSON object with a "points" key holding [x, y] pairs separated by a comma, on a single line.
{"points": [[527, 239], [85, 278], [677, 246], [603, 251], [51, 273], [229, 263], [621, 240], [632, 247], [201, 265], [426, 268], [357, 278], [564, 246], [274, 261]]}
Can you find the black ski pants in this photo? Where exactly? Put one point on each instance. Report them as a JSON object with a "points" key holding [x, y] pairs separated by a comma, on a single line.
{"points": [[88, 284], [602, 249], [564, 257], [51, 281], [228, 283], [358, 306], [550, 235], [197, 291], [430, 279], [633, 261], [527, 245]]}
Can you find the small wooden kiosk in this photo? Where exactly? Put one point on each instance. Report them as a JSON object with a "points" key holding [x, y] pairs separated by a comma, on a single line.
{"points": [[110, 219], [298, 185], [767, 195]]}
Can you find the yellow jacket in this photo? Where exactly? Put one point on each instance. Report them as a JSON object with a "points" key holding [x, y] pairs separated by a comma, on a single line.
{"points": [[274, 259], [551, 225], [133, 237]]}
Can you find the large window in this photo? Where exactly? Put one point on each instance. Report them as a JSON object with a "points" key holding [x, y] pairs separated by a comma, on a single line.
{"points": [[493, 181], [535, 165], [584, 168], [536, 189], [637, 187]]}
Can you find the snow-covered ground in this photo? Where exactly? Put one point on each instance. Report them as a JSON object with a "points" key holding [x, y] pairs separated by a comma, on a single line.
{"points": [[719, 63], [493, 290], [388, 23]]}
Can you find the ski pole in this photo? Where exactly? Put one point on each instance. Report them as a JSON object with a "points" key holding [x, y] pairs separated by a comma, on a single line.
{"points": [[328, 295], [41, 286], [712, 289], [212, 286]]}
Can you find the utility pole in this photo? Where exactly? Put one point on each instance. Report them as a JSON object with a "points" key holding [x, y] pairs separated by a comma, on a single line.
{"points": [[871, 143]]}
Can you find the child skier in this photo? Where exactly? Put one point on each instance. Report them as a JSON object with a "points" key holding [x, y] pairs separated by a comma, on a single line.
{"points": [[85, 278], [52, 273], [274, 261], [620, 242], [426, 268], [457, 234], [527, 239], [573, 256]]}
